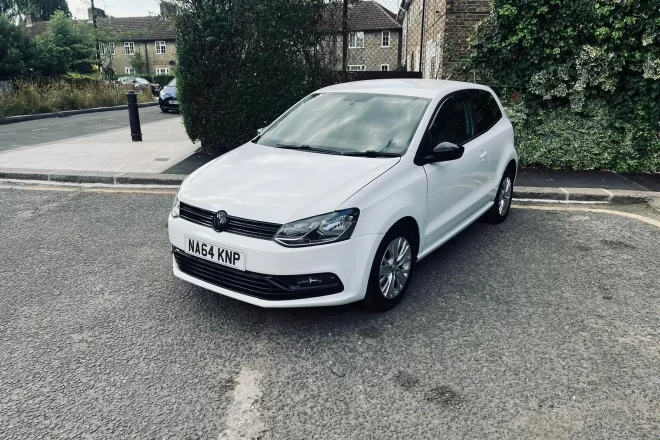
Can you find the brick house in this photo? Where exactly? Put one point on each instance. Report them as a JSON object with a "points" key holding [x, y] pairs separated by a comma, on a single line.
{"points": [[446, 26], [374, 41], [152, 37]]}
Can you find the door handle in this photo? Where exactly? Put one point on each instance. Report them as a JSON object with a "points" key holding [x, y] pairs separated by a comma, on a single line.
{"points": [[483, 155]]}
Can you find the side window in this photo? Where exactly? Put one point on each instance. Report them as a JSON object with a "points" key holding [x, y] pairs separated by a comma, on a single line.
{"points": [[485, 111], [451, 123]]}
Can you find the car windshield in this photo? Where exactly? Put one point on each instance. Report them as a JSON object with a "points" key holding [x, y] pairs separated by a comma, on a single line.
{"points": [[348, 123], [172, 83]]}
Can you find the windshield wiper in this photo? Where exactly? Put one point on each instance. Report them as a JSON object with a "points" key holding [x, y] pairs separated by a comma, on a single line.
{"points": [[371, 153], [306, 148]]}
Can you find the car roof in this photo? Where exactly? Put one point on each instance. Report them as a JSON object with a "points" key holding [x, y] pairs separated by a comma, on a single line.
{"points": [[423, 88]]}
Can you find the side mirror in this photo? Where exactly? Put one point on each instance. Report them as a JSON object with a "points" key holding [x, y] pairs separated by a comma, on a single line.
{"points": [[446, 151]]}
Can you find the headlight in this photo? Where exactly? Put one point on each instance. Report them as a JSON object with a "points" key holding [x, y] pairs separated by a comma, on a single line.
{"points": [[326, 228], [175, 206]]}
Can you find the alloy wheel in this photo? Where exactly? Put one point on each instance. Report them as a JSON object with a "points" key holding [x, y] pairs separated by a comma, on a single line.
{"points": [[395, 267], [506, 189]]}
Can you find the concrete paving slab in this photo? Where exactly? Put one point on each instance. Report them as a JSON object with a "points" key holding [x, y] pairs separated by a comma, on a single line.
{"points": [[164, 144]]}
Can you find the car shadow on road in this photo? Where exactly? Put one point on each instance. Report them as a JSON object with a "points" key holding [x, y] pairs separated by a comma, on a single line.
{"points": [[433, 282]]}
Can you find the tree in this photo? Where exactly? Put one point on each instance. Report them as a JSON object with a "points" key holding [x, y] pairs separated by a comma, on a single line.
{"points": [[242, 63], [12, 8], [137, 62], [46, 8], [65, 47], [16, 50]]}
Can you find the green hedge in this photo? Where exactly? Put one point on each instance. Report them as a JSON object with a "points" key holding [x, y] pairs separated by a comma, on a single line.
{"points": [[246, 78], [593, 139], [163, 80], [586, 77]]}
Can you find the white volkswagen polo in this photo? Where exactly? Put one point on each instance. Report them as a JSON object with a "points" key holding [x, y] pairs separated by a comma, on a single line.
{"points": [[338, 198]]}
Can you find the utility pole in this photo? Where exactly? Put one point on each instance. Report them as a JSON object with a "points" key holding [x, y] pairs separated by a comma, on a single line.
{"points": [[421, 39], [344, 33], [96, 37]]}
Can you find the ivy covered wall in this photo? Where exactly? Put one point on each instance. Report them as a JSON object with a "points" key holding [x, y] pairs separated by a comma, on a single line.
{"points": [[581, 79]]}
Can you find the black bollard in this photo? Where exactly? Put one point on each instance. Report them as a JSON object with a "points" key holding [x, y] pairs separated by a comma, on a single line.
{"points": [[134, 116]]}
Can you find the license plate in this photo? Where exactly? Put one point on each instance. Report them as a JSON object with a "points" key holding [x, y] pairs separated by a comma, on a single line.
{"points": [[215, 253], [173, 102]]}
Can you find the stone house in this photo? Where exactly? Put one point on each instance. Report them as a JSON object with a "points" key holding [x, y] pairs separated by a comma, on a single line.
{"points": [[435, 33], [124, 37], [374, 40]]}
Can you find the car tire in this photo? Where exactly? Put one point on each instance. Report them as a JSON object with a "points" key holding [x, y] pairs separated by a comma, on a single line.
{"points": [[500, 209], [384, 292], [164, 110]]}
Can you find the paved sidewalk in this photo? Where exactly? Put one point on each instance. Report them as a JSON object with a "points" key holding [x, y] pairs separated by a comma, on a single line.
{"points": [[546, 178], [167, 156], [164, 144]]}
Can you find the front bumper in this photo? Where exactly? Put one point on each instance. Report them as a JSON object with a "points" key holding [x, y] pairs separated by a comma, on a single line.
{"points": [[349, 260], [166, 103]]}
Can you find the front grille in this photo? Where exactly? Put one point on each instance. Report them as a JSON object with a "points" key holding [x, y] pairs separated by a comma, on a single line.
{"points": [[235, 225], [270, 287], [196, 215]]}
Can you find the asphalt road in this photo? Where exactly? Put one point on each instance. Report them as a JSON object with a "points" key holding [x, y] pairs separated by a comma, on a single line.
{"points": [[545, 326], [23, 134]]}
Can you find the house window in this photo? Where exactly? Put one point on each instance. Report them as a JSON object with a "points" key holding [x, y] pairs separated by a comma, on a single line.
{"points": [[386, 39], [129, 70], [160, 47], [384, 67], [101, 48], [111, 48], [357, 67], [356, 40], [162, 70], [129, 48]]}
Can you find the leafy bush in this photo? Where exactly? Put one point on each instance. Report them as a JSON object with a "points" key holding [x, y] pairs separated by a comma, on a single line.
{"points": [[65, 47], [242, 63], [31, 97], [586, 75], [138, 62], [163, 80], [81, 79], [16, 50]]}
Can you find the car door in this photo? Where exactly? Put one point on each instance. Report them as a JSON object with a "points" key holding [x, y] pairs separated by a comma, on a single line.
{"points": [[490, 136], [454, 187]]}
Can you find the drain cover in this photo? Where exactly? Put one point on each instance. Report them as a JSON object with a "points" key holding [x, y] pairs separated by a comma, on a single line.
{"points": [[162, 159]]}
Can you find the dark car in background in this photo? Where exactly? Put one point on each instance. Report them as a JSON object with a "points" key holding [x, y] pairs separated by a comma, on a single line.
{"points": [[167, 99]]}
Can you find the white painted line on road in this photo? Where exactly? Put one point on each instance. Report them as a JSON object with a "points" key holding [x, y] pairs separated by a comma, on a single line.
{"points": [[565, 202], [67, 125], [111, 119], [565, 192], [641, 218], [39, 129], [7, 134]]}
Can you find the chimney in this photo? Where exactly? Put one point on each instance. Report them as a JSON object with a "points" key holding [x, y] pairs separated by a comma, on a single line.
{"points": [[100, 13], [31, 19], [166, 9]]}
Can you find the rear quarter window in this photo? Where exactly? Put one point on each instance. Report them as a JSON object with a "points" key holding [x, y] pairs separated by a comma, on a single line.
{"points": [[486, 112]]}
